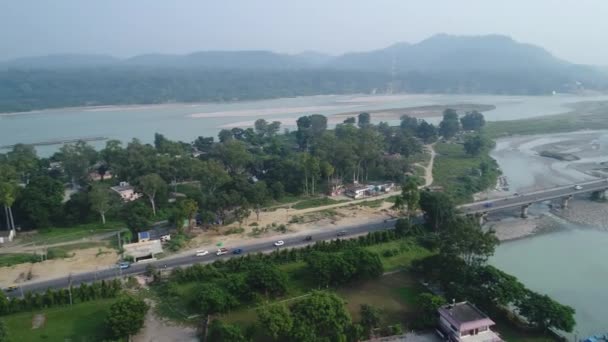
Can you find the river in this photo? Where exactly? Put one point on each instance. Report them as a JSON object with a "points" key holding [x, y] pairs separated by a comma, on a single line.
{"points": [[569, 263], [188, 121]]}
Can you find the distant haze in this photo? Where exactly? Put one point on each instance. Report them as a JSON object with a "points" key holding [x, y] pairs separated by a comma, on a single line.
{"points": [[574, 30]]}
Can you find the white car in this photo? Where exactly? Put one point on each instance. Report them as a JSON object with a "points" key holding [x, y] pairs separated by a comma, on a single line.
{"points": [[279, 243], [201, 252], [578, 187]]}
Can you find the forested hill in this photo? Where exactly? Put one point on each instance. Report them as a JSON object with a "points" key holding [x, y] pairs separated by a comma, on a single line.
{"points": [[440, 64]]}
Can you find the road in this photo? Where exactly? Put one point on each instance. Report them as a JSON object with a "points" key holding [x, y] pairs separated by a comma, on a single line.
{"points": [[291, 241], [533, 197]]}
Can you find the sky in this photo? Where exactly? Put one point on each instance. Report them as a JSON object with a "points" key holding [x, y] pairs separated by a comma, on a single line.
{"points": [[575, 30]]}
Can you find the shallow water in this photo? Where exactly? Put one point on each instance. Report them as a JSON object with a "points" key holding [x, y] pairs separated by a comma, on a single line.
{"points": [[571, 263], [176, 122]]}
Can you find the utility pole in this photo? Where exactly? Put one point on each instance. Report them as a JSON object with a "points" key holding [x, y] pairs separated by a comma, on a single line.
{"points": [[70, 287], [21, 289]]}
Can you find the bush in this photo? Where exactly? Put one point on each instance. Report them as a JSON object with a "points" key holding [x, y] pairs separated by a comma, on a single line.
{"points": [[236, 230]]}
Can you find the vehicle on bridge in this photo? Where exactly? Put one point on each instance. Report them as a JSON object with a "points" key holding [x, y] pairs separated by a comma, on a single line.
{"points": [[578, 187], [488, 205]]}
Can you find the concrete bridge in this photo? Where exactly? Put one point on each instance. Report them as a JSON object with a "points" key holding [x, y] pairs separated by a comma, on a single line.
{"points": [[523, 201]]}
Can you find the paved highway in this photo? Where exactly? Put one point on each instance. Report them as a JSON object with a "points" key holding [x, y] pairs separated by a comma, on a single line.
{"points": [[138, 268], [533, 197]]}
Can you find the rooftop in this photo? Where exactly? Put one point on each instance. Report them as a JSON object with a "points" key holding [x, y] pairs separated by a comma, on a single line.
{"points": [[120, 188], [463, 312]]}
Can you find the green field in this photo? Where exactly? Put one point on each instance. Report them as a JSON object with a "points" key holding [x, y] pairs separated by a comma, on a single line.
{"points": [[316, 202], [408, 252], [458, 173], [584, 115], [59, 235], [81, 322], [17, 258]]}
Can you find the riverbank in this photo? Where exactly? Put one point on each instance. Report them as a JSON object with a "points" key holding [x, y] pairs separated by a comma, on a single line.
{"points": [[582, 116]]}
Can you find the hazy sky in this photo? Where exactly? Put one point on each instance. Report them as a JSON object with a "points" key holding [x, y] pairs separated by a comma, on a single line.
{"points": [[576, 30]]}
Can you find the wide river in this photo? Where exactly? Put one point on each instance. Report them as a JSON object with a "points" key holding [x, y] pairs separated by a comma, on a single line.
{"points": [[569, 263], [188, 121]]}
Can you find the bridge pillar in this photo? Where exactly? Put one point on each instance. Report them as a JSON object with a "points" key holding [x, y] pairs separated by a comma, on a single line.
{"points": [[524, 210], [566, 201]]}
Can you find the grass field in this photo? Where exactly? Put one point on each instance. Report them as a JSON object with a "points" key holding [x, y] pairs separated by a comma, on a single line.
{"points": [[17, 258], [458, 173], [316, 202], [408, 252], [59, 235], [81, 322], [585, 115]]}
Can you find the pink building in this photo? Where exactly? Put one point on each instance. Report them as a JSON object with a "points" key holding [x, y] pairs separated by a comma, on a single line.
{"points": [[463, 322]]}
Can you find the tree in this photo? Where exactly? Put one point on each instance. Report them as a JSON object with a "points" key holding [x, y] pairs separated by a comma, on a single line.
{"points": [[321, 316], [76, 160], [137, 215], [24, 159], [450, 125], [234, 155], [189, 207], [126, 316], [426, 132], [100, 199], [258, 196], [151, 185], [223, 332], [364, 119], [41, 201], [276, 319], [472, 121], [8, 194], [266, 278], [411, 195], [409, 124], [350, 120], [212, 299], [3, 332], [438, 209], [544, 312], [224, 135], [428, 304], [475, 144], [465, 239], [370, 318]]}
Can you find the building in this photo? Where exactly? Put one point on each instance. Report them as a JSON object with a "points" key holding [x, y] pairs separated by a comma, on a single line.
{"points": [[126, 192], [359, 191], [95, 176], [7, 236], [143, 236], [143, 250], [463, 322]]}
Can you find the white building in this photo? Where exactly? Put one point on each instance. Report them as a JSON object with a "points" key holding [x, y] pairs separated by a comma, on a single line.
{"points": [[126, 192]]}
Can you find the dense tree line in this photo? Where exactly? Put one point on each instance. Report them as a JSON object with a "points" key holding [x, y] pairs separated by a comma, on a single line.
{"points": [[243, 171], [460, 268], [61, 297], [24, 90]]}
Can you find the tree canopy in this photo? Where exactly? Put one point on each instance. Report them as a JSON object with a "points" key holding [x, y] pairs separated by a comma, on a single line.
{"points": [[126, 316]]}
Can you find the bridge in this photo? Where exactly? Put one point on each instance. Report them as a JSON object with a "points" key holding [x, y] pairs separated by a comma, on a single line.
{"points": [[523, 201]]}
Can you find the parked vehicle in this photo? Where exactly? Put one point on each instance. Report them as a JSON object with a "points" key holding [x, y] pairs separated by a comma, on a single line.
{"points": [[221, 251], [279, 243], [342, 233], [237, 251], [124, 265], [202, 252]]}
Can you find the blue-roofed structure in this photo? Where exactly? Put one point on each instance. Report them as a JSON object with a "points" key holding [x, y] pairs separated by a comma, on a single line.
{"points": [[143, 236]]}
